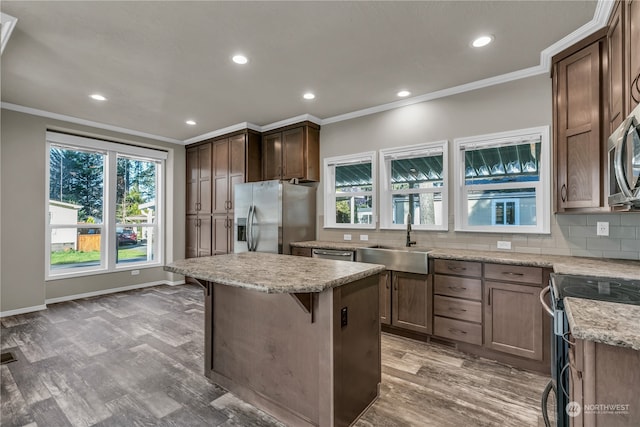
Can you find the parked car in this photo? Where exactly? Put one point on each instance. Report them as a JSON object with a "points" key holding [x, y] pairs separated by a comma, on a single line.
{"points": [[126, 236]]}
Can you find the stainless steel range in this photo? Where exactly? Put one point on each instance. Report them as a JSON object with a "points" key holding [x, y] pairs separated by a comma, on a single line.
{"points": [[597, 288]]}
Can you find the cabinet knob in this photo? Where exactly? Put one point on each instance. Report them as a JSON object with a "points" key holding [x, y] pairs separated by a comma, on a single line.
{"points": [[636, 85], [457, 331], [563, 193]]}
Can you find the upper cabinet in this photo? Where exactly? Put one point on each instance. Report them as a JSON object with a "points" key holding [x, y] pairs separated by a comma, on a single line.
{"points": [[292, 152], [579, 157], [199, 179], [631, 19]]}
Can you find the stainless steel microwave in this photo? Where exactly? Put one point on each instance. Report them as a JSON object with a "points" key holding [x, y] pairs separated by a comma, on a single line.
{"points": [[624, 163]]}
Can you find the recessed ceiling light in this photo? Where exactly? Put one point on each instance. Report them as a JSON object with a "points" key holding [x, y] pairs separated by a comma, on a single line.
{"points": [[240, 59], [404, 93], [308, 95], [191, 122], [482, 41], [98, 97]]}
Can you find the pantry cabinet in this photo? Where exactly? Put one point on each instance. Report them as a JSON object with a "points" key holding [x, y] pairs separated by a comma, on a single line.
{"points": [[292, 152]]}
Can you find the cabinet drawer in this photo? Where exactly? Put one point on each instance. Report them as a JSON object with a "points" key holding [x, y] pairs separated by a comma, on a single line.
{"points": [[457, 330], [513, 273], [459, 287], [457, 308], [301, 251], [462, 268]]}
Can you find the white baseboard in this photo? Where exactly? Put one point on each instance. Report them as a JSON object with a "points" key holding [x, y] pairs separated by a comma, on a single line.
{"points": [[22, 310]]}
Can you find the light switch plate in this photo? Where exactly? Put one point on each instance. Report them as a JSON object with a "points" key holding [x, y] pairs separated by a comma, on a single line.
{"points": [[347, 237], [502, 244], [602, 228], [135, 272], [364, 237]]}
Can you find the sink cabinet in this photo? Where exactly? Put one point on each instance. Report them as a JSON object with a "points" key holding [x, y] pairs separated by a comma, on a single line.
{"points": [[411, 299]]}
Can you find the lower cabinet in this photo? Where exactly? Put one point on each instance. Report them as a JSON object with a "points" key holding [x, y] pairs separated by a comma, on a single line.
{"points": [[198, 236], [296, 251], [412, 304], [385, 297]]}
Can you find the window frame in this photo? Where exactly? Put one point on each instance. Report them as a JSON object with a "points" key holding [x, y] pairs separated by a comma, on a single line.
{"points": [[386, 194], [108, 226], [330, 194], [542, 186]]}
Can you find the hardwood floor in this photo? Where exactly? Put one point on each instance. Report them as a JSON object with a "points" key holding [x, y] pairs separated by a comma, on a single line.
{"points": [[135, 359]]}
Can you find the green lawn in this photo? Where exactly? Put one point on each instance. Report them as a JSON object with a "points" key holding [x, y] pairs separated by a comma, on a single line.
{"points": [[73, 257]]}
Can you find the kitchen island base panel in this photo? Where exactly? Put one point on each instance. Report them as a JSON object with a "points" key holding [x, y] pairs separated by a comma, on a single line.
{"points": [[305, 368]]}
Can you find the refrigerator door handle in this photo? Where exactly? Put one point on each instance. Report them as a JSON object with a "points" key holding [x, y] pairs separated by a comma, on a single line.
{"points": [[254, 243], [248, 230]]}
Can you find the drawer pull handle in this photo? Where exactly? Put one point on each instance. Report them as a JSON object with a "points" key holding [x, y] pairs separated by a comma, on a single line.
{"points": [[457, 288], [457, 331], [457, 310], [452, 268], [511, 273]]}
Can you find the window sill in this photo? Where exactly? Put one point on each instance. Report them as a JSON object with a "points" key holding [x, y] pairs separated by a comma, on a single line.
{"points": [[85, 273]]}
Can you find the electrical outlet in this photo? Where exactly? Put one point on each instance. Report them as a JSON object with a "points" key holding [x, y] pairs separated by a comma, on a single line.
{"points": [[502, 244], [135, 272], [602, 228], [347, 237], [364, 237]]}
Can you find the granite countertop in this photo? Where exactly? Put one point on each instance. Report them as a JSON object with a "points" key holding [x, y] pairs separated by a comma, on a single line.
{"points": [[274, 273], [339, 246], [604, 322]]}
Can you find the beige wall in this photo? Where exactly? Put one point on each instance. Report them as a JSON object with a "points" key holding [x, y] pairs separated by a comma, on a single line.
{"points": [[520, 104], [23, 213]]}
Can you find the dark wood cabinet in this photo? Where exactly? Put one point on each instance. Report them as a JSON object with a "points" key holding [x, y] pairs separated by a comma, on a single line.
{"points": [[631, 15], [296, 251], [213, 169], [385, 297], [292, 152], [578, 136], [615, 75], [412, 301]]}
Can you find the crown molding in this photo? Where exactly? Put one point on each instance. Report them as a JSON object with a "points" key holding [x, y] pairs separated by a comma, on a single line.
{"points": [[70, 119], [8, 23], [293, 121]]}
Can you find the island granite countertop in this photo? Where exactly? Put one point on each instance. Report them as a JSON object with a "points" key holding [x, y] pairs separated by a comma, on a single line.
{"points": [[274, 273], [604, 322]]}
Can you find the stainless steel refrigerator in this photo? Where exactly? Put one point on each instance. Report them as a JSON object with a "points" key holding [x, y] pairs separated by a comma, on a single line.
{"points": [[271, 214]]}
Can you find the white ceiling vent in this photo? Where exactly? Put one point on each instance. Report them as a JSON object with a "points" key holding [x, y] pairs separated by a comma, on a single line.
{"points": [[7, 23]]}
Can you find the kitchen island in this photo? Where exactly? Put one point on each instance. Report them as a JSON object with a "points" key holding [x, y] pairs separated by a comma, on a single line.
{"points": [[297, 337]]}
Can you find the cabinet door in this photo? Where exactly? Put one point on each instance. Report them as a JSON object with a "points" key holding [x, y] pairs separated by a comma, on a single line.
{"points": [[615, 76], [412, 300], [204, 235], [204, 179], [293, 154], [220, 235], [272, 156], [513, 319], [385, 297], [237, 151], [221, 176], [632, 48], [192, 180], [191, 236], [578, 142]]}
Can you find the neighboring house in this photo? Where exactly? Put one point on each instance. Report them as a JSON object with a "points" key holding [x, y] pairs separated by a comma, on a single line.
{"points": [[61, 213]]}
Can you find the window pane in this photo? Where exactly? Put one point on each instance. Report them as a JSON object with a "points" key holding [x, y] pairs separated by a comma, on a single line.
{"points": [[74, 248], [136, 191], [416, 172], [502, 207], [354, 178], [75, 186], [425, 209], [512, 163], [354, 210], [135, 244]]}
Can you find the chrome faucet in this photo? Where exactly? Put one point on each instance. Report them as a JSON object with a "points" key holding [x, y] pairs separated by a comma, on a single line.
{"points": [[409, 241]]}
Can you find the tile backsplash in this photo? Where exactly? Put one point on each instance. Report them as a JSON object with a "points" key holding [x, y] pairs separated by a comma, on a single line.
{"points": [[571, 234]]}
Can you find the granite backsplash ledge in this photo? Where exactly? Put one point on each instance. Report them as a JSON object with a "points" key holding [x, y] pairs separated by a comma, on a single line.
{"points": [[571, 235]]}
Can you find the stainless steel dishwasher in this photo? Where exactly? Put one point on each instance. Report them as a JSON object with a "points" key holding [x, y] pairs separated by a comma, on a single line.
{"points": [[340, 255]]}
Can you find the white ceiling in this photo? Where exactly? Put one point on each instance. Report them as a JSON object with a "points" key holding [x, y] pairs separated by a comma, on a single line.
{"points": [[161, 63]]}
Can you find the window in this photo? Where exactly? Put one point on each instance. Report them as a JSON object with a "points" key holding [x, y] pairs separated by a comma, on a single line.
{"points": [[414, 181], [104, 206], [502, 182], [350, 191]]}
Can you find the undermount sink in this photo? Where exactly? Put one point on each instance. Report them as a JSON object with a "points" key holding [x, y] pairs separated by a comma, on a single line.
{"points": [[407, 259]]}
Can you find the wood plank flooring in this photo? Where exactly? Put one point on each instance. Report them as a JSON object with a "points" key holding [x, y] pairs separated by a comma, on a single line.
{"points": [[136, 358]]}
